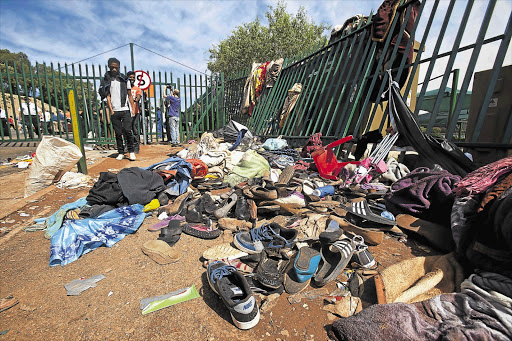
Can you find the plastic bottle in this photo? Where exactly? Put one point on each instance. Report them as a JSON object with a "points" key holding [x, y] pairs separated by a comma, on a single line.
{"points": [[323, 191]]}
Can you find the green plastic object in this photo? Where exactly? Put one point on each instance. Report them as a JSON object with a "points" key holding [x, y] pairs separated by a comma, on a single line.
{"points": [[149, 305]]}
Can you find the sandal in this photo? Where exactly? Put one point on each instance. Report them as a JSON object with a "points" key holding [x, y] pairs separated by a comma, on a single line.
{"points": [[206, 231], [172, 233], [362, 210], [335, 258]]}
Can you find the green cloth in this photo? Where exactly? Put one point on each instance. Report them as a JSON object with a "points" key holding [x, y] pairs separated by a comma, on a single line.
{"points": [[252, 165]]}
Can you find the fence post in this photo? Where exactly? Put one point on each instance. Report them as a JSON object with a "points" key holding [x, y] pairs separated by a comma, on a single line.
{"points": [[77, 136]]}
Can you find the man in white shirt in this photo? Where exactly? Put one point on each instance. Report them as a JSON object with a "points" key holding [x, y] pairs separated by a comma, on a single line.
{"points": [[5, 123], [47, 119], [119, 102], [31, 118]]}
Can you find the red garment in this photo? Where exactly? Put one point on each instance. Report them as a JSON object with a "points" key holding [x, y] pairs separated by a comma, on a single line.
{"points": [[260, 76], [199, 168]]}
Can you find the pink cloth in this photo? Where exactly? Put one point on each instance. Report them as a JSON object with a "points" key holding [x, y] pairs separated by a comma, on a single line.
{"points": [[484, 177]]}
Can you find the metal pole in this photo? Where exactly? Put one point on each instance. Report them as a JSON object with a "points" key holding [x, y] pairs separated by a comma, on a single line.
{"points": [[131, 56], [143, 114], [453, 95]]}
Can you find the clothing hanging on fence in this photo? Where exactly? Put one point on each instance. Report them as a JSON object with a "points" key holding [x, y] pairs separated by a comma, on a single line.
{"points": [[289, 103]]}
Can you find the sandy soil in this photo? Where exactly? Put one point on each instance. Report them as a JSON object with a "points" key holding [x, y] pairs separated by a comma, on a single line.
{"points": [[46, 312]]}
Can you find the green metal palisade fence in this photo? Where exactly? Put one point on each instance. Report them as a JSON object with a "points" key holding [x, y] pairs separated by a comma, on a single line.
{"points": [[202, 101], [339, 78]]}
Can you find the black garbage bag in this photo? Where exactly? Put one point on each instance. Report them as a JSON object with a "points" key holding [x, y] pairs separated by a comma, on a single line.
{"points": [[433, 151]]}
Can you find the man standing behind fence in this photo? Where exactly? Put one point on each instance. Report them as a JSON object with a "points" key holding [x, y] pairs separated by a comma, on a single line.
{"points": [[116, 87], [31, 117], [136, 94], [174, 114]]}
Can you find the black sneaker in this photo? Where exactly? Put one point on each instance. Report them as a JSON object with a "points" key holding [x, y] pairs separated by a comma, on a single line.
{"points": [[273, 235], [233, 289], [362, 256]]}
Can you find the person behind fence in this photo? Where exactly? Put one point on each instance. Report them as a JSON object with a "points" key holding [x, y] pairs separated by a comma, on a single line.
{"points": [[115, 87], [136, 94], [5, 124], [173, 115], [31, 117]]}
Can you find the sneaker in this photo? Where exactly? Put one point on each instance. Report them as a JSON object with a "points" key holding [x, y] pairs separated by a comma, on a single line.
{"points": [[271, 269], [120, 156], [237, 296], [132, 157], [273, 235], [362, 256]]}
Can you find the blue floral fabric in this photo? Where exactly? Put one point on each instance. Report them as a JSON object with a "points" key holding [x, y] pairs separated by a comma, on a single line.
{"points": [[77, 237]]}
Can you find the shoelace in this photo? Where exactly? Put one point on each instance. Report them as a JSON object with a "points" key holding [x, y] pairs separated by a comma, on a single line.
{"points": [[266, 232], [218, 273]]}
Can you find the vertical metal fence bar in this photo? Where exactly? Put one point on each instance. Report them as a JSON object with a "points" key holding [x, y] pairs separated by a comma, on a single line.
{"points": [[97, 109], [311, 66], [49, 94], [89, 101], [384, 74], [65, 116], [187, 109], [435, 52], [17, 116], [27, 95], [180, 130], [33, 88], [322, 76], [449, 65], [25, 124], [41, 95], [469, 71], [304, 68], [498, 62], [326, 85], [4, 106], [194, 112], [347, 85], [359, 81], [337, 96], [334, 87], [157, 94], [298, 72]]}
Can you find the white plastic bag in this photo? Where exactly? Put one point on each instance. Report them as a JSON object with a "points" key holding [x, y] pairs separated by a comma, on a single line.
{"points": [[54, 157]]}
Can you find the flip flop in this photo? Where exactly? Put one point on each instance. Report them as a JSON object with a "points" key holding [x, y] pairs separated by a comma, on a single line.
{"points": [[335, 257], [172, 233], [362, 210], [306, 263], [201, 231]]}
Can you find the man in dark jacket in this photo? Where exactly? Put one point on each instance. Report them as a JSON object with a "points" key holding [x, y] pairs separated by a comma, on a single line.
{"points": [[119, 100]]}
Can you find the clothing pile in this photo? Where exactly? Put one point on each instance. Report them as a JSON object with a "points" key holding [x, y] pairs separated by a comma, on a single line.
{"points": [[294, 220]]}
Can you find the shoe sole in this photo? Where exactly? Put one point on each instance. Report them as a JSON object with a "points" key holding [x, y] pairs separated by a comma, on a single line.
{"points": [[226, 254], [247, 325]]}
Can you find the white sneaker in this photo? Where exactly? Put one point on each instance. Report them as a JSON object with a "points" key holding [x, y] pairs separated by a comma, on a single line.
{"points": [[132, 157], [120, 157]]}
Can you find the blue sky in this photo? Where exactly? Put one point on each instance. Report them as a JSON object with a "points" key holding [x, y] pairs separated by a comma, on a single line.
{"points": [[69, 31]]}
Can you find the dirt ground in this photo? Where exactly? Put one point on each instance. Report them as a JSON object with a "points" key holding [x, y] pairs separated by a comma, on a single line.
{"points": [[111, 310]]}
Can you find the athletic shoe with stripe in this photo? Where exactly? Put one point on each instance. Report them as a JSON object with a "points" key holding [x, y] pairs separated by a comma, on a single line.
{"points": [[233, 289]]}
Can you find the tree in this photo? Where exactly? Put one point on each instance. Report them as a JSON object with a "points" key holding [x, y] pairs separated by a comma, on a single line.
{"points": [[286, 35]]}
